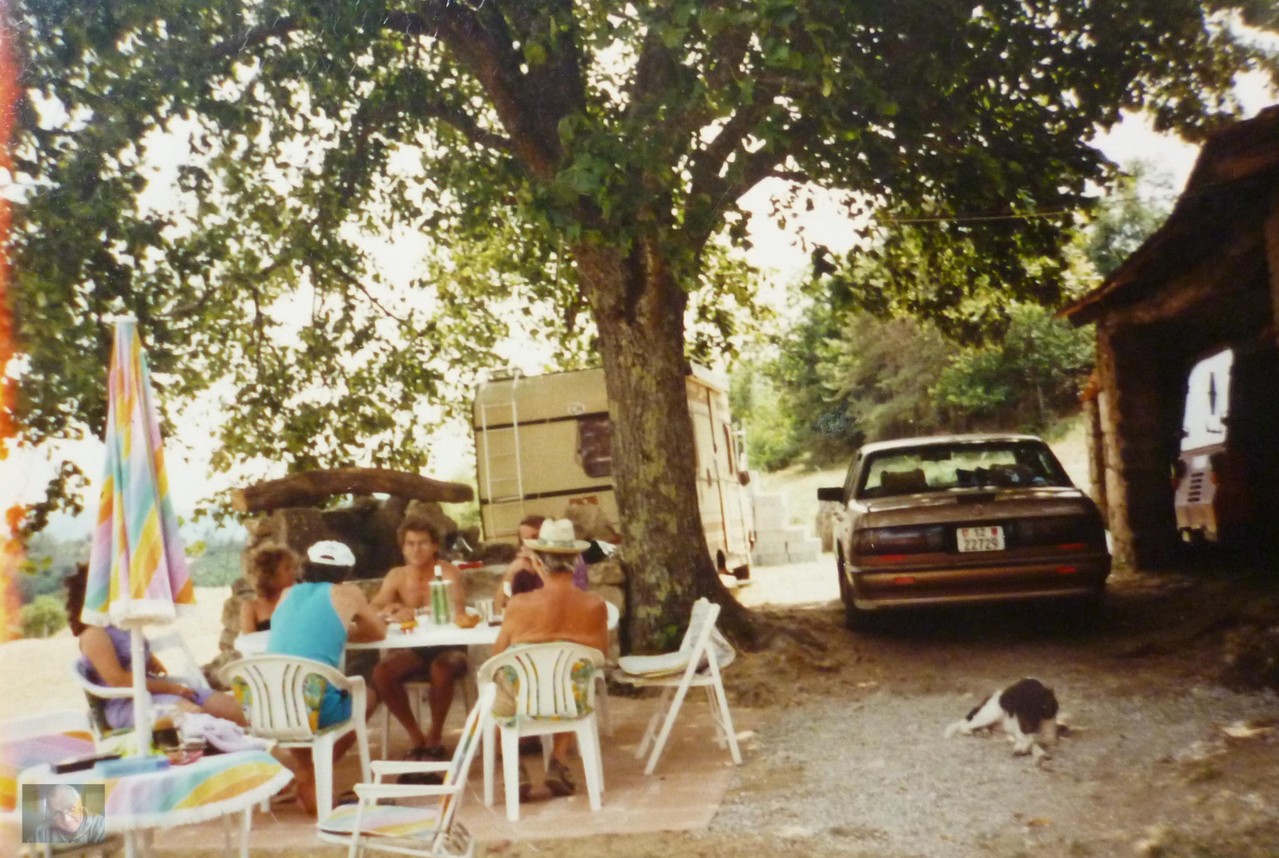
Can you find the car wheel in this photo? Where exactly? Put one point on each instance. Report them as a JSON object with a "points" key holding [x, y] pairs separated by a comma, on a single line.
{"points": [[855, 619]]}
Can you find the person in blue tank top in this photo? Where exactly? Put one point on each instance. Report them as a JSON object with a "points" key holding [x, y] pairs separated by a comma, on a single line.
{"points": [[314, 620]]}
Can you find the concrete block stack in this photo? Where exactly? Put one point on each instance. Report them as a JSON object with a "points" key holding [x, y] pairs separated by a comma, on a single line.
{"points": [[777, 542]]}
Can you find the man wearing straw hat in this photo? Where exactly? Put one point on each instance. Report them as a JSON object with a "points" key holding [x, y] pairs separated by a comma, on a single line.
{"points": [[558, 611]]}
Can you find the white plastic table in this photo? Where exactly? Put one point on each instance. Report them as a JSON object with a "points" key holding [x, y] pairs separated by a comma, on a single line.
{"points": [[215, 786], [426, 634]]}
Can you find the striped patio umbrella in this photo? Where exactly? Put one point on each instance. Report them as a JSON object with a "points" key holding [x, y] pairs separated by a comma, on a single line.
{"points": [[137, 567]]}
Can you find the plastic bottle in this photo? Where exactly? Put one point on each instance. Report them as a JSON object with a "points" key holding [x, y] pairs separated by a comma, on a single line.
{"points": [[441, 601]]}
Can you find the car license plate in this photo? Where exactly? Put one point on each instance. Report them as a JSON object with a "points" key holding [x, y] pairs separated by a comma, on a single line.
{"points": [[981, 538]]}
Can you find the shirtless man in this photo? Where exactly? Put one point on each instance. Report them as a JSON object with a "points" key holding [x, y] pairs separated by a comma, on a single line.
{"points": [[523, 561], [316, 619], [406, 589], [559, 611]]}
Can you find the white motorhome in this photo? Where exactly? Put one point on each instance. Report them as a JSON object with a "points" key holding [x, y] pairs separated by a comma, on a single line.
{"points": [[543, 443], [1228, 466]]}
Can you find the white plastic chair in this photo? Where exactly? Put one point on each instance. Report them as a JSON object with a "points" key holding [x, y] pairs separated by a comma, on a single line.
{"points": [[168, 641], [96, 696], [696, 663], [546, 702], [277, 709], [430, 830], [601, 680]]}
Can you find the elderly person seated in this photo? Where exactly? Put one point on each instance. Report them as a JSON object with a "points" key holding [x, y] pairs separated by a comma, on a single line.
{"points": [[558, 611], [106, 659]]}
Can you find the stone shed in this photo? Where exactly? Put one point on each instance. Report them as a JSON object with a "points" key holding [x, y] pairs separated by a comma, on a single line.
{"points": [[1207, 279]]}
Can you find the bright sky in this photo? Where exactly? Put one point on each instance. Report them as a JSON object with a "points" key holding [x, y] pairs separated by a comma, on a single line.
{"points": [[23, 476]]}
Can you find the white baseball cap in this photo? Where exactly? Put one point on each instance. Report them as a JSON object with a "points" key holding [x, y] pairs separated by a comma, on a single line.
{"points": [[330, 553]]}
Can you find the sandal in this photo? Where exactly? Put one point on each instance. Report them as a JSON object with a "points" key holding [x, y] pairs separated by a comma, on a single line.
{"points": [[526, 786], [559, 780]]}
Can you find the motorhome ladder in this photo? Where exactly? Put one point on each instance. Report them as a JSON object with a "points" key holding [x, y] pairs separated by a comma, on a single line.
{"points": [[503, 473]]}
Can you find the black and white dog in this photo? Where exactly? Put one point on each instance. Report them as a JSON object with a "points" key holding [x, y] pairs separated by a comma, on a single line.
{"points": [[1027, 710]]}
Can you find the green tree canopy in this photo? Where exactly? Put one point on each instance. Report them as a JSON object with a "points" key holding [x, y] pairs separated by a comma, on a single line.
{"points": [[581, 155]]}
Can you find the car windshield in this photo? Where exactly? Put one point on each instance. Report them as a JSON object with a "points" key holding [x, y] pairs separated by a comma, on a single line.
{"points": [[959, 465]]}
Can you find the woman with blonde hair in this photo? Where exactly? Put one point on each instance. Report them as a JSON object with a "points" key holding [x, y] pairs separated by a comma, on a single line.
{"points": [[273, 570]]}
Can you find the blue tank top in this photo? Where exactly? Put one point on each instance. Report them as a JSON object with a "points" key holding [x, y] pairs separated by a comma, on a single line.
{"points": [[306, 625]]}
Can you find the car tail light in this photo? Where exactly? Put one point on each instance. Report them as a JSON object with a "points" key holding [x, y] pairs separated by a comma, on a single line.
{"points": [[1066, 532], [900, 540]]}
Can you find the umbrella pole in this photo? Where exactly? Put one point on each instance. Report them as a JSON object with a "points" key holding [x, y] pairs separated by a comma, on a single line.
{"points": [[141, 697]]}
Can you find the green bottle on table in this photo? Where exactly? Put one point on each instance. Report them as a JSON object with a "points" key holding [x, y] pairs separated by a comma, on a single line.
{"points": [[441, 604]]}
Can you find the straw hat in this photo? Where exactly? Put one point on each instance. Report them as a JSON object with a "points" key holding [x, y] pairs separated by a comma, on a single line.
{"points": [[557, 537]]}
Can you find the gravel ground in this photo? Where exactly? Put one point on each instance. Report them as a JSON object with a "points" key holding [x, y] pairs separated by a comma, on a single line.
{"points": [[873, 773], [851, 761], [855, 761]]}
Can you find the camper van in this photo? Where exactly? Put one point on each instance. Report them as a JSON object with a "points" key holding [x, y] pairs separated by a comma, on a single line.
{"points": [[543, 443], [1225, 474]]}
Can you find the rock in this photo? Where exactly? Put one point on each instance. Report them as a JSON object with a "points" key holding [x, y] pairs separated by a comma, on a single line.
{"points": [[260, 528], [493, 553], [589, 522], [481, 583], [432, 512], [607, 571], [467, 545], [299, 527]]}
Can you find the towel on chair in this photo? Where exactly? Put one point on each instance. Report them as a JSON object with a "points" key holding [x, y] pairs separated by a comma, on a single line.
{"points": [[222, 734]]}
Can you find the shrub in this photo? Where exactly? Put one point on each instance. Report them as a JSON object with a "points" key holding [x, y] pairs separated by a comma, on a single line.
{"points": [[45, 616]]}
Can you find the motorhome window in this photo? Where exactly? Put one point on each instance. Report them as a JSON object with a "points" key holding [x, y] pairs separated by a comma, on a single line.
{"points": [[595, 445]]}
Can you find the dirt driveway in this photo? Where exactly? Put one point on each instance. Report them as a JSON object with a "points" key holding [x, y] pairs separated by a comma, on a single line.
{"points": [[1162, 759]]}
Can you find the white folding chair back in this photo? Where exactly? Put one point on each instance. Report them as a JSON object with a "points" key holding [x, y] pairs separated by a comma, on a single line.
{"points": [[697, 663], [548, 699], [274, 689], [171, 648], [414, 829]]}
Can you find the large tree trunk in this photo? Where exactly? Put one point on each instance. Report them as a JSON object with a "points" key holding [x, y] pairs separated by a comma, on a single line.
{"points": [[639, 311]]}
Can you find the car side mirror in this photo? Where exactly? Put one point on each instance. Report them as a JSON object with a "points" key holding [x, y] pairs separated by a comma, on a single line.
{"points": [[835, 494]]}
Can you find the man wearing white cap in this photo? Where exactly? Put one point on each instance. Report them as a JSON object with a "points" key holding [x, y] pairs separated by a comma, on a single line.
{"points": [[314, 620], [558, 611]]}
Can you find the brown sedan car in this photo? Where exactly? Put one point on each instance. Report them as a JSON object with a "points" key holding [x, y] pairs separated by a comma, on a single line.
{"points": [[964, 519]]}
